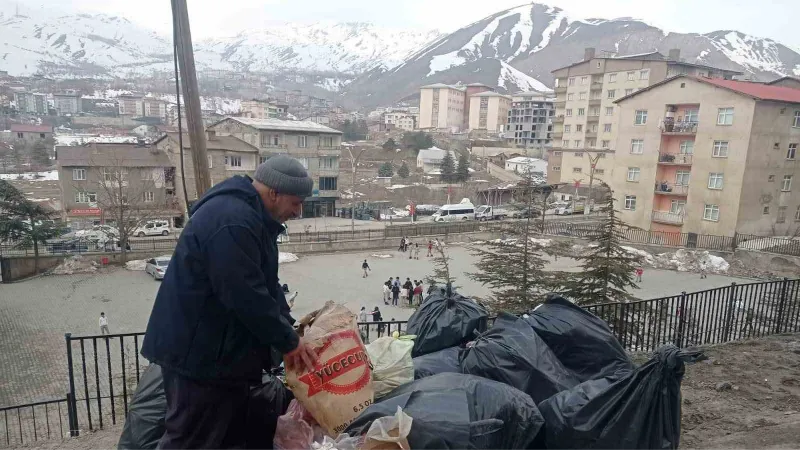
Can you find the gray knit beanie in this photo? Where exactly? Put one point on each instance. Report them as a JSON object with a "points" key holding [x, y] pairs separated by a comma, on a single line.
{"points": [[285, 175]]}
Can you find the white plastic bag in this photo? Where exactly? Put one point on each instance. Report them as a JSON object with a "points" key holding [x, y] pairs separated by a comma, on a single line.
{"points": [[392, 365], [343, 442], [389, 433]]}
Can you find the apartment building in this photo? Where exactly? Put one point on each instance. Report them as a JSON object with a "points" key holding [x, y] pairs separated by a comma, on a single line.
{"points": [[263, 109], [316, 146], [130, 105], [709, 156], [153, 107], [67, 103], [586, 117], [488, 111], [530, 120], [31, 103], [97, 179], [400, 119], [228, 156], [442, 107], [31, 133]]}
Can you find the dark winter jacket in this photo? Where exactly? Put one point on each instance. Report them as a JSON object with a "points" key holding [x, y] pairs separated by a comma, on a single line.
{"points": [[220, 308]]}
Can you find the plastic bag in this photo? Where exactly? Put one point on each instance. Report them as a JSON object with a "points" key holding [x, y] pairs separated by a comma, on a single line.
{"points": [[389, 433], [343, 442], [392, 365], [640, 410], [512, 353], [147, 411], [339, 387], [583, 342], [267, 403], [437, 362], [297, 429], [453, 410], [442, 322]]}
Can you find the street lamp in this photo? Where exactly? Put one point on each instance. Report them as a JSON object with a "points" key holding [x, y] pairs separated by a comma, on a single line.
{"points": [[354, 162]]}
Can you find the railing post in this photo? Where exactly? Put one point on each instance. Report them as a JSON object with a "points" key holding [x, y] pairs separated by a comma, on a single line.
{"points": [[72, 407], [681, 321], [781, 305], [729, 314]]}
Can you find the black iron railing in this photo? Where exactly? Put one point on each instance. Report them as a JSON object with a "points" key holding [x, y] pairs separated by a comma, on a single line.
{"points": [[37, 421]]}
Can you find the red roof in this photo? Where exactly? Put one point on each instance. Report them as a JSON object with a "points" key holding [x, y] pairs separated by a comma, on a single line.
{"points": [[22, 128], [759, 91]]}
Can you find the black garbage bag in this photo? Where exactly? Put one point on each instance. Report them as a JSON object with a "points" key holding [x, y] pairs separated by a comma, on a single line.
{"points": [[267, 402], [442, 322], [452, 410], [640, 410], [144, 425], [437, 362], [583, 342], [512, 353]]}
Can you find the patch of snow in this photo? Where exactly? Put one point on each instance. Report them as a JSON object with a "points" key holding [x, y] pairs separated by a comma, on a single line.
{"points": [[382, 256], [441, 63], [75, 264], [285, 257], [80, 139], [761, 244], [519, 79], [136, 264], [51, 175], [550, 30], [347, 194], [647, 258], [540, 242], [397, 186], [751, 52]]}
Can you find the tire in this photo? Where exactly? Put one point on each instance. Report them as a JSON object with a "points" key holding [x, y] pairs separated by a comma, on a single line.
{"points": [[140, 234], [465, 218], [165, 233]]}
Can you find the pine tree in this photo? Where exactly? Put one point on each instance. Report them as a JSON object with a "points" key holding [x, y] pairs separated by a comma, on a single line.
{"points": [[462, 171], [386, 170], [39, 154], [607, 269], [448, 168], [389, 145], [403, 170], [441, 276], [25, 222]]}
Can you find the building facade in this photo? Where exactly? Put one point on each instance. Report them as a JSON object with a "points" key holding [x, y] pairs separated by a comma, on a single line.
{"points": [[586, 117], [153, 107], [489, 111], [530, 120], [709, 156], [31, 133], [130, 105], [31, 103], [524, 165], [400, 119], [442, 107], [263, 109], [67, 103], [316, 146]]}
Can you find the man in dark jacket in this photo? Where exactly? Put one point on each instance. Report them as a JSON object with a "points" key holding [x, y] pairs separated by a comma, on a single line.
{"points": [[220, 311]]}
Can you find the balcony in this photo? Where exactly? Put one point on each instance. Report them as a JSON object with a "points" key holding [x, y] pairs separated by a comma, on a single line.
{"points": [[329, 150], [558, 119], [595, 101], [678, 128], [668, 217], [672, 189], [269, 146], [556, 134], [561, 90], [675, 159], [559, 104], [591, 134], [593, 118]]}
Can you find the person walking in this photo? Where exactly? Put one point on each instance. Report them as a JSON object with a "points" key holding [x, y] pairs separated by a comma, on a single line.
{"points": [[104, 324], [387, 292], [365, 267], [220, 316], [416, 251], [430, 248], [395, 293], [362, 318], [402, 244], [639, 272], [703, 273]]}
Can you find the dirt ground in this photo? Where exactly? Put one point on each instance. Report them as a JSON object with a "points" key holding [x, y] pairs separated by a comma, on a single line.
{"points": [[745, 395]]}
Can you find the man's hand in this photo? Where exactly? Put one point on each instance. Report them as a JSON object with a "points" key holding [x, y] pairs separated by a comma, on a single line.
{"points": [[301, 358]]}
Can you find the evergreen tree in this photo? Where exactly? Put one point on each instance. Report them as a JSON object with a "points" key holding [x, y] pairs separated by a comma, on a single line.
{"points": [[389, 145], [448, 168], [24, 222], [403, 170], [441, 276], [386, 170], [39, 154], [462, 171], [417, 140], [607, 269]]}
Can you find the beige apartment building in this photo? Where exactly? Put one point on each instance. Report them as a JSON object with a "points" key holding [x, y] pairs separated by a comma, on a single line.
{"points": [[442, 107], [316, 146], [263, 109], [489, 111], [586, 118], [709, 156]]}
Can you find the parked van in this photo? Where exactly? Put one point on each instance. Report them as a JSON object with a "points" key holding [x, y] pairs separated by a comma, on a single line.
{"points": [[459, 211], [152, 228]]}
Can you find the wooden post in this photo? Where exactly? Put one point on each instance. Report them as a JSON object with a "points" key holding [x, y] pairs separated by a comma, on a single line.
{"points": [[191, 96]]}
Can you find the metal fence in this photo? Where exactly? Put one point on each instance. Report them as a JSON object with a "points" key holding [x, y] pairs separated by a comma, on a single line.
{"points": [[23, 424]]}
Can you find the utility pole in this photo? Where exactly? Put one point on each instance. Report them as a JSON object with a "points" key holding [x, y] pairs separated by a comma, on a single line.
{"points": [[191, 96], [354, 163], [592, 165]]}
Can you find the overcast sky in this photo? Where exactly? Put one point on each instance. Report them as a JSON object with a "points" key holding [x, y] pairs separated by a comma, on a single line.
{"points": [[762, 18]]}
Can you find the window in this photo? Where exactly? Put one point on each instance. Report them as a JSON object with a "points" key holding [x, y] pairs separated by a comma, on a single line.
{"points": [[631, 76], [570, 97], [571, 82], [797, 215], [781, 215], [210, 162], [584, 80], [264, 139], [568, 112], [725, 116], [612, 78], [85, 197], [581, 111], [715, 180], [765, 209], [328, 183], [637, 146], [792, 152], [149, 196], [634, 173], [644, 74], [612, 93], [609, 110], [579, 128], [20, 135], [641, 117], [720, 149], [607, 128], [556, 153], [687, 147], [302, 141], [591, 142], [565, 143], [579, 154], [262, 159], [577, 170], [78, 174], [711, 212], [304, 162], [556, 169], [690, 115], [599, 171], [682, 178], [628, 91], [567, 128], [233, 161], [326, 142], [605, 144], [582, 96], [329, 162], [787, 183], [578, 143], [630, 202], [677, 206]]}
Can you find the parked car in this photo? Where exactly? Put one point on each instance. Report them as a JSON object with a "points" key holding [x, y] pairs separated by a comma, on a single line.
{"points": [[153, 228], [72, 245], [487, 212], [107, 229], [157, 267]]}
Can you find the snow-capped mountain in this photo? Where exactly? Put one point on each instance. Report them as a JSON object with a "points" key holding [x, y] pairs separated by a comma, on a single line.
{"points": [[517, 49]]}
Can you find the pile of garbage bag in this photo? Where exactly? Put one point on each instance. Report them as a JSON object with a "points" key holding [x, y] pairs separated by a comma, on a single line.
{"points": [[442, 322]]}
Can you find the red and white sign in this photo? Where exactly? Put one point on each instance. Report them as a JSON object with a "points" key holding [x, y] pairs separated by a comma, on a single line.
{"points": [[329, 374], [85, 212]]}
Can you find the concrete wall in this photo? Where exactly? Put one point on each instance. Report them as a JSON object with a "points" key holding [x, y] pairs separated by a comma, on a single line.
{"points": [[122, 122]]}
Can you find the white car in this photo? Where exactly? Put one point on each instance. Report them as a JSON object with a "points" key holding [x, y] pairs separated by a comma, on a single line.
{"points": [[157, 267], [154, 228]]}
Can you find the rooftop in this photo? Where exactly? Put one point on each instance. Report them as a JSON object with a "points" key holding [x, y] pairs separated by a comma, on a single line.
{"points": [[25, 128], [782, 79], [283, 125], [442, 86], [111, 155], [648, 56], [523, 160], [230, 143], [491, 94], [757, 91], [433, 154]]}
